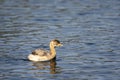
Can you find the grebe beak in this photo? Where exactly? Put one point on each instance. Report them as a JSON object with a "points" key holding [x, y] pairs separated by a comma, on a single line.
{"points": [[60, 44]]}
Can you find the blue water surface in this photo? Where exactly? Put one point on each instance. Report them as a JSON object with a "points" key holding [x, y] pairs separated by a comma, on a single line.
{"points": [[88, 29]]}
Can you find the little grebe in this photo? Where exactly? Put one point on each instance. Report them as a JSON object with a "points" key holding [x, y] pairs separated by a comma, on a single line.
{"points": [[43, 55]]}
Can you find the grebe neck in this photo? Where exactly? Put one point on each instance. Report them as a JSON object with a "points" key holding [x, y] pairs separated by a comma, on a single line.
{"points": [[52, 50]]}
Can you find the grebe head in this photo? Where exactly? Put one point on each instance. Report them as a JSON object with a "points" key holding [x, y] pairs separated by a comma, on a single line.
{"points": [[56, 43]]}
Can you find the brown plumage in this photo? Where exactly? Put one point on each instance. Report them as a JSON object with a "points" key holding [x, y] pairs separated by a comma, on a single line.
{"points": [[44, 55]]}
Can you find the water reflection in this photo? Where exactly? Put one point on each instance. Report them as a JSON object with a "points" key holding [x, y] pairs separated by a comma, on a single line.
{"points": [[44, 65], [53, 66]]}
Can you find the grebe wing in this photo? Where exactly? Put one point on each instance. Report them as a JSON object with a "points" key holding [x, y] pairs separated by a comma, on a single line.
{"points": [[40, 52]]}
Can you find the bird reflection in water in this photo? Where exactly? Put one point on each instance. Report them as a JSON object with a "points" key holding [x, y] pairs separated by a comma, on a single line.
{"points": [[53, 66], [44, 65]]}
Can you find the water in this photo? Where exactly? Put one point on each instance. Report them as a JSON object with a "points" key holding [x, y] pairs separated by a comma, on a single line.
{"points": [[88, 29]]}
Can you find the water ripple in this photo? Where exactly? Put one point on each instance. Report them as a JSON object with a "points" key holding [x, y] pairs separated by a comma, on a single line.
{"points": [[89, 31]]}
